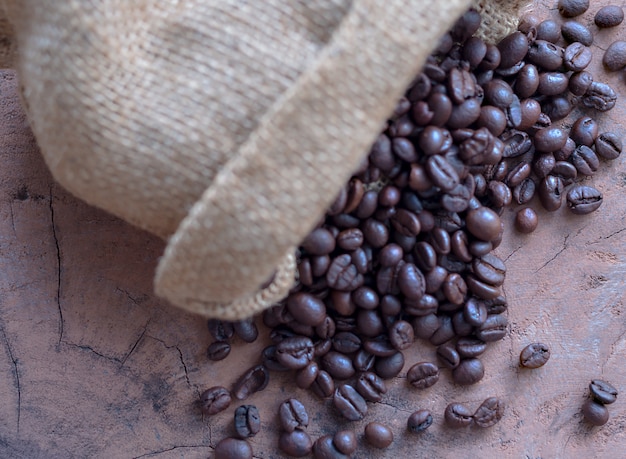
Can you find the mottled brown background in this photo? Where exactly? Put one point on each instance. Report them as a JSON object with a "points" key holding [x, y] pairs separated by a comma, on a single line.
{"points": [[93, 365]]}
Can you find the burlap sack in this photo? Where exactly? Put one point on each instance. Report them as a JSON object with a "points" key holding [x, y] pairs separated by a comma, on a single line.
{"points": [[226, 127]]}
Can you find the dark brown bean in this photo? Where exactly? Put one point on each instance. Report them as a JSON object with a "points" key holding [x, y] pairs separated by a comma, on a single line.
{"points": [[574, 31], [608, 145], [419, 421], [253, 380], [247, 421], [457, 415], [583, 199], [602, 392], [595, 413], [323, 448], [215, 400], [349, 403], [571, 8], [232, 448], [489, 412], [218, 350], [526, 220], [609, 16], [423, 375], [296, 443], [468, 372], [378, 435], [615, 56], [534, 355]]}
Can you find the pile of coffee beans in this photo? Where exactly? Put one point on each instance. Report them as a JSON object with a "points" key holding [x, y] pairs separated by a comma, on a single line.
{"points": [[601, 393], [404, 255]]}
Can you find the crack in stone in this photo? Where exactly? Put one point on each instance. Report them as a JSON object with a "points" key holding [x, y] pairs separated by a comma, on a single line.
{"points": [[180, 356], [512, 253], [12, 219], [555, 256], [17, 377], [134, 346], [167, 450], [85, 347], [608, 236], [58, 253]]}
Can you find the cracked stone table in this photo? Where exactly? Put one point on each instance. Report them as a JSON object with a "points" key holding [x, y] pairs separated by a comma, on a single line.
{"points": [[94, 365]]}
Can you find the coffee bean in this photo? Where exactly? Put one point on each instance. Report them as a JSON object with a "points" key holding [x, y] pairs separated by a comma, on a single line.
{"points": [[580, 82], [551, 192], [527, 81], [293, 415], [220, 330], [423, 375], [295, 352], [376, 233], [608, 145], [457, 415], [323, 386], [378, 435], [489, 412], [346, 342], [306, 308], [483, 223], [474, 312], [369, 324], [534, 355], [389, 367], [584, 131], [489, 269], [481, 289], [583, 199], [246, 329], [549, 30], [319, 242], [574, 31], [441, 173], [595, 413], [253, 380], [345, 441], [546, 55], [512, 49], [571, 8], [338, 365], [602, 392], [247, 421], [549, 139], [577, 57], [215, 400], [526, 220], [609, 16], [232, 448], [615, 56], [218, 350], [448, 356], [444, 333], [419, 421], [371, 387], [493, 329], [599, 96], [468, 372], [552, 83], [307, 375], [296, 443], [323, 448], [343, 275], [349, 403], [401, 335], [470, 347]]}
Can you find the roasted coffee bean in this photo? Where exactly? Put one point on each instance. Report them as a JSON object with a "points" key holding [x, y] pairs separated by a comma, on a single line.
{"points": [[595, 413], [474, 51], [246, 329], [574, 31], [371, 387], [349, 403], [296, 443], [444, 333], [585, 160], [324, 385], [350, 239], [253, 380], [419, 421], [306, 308], [378, 435], [530, 110], [469, 371], [556, 107], [527, 81], [345, 441], [343, 275], [411, 281], [369, 324], [295, 352], [492, 118], [577, 57], [425, 326], [423, 375], [220, 330], [526, 220], [247, 421], [583, 199], [441, 173], [441, 107], [215, 400], [232, 448], [465, 114], [549, 139], [367, 206], [584, 131], [599, 96], [380, 346], [448, 356], [483, 223], [389, 196], [481, 289], [363, 361], [608, 145], [534, 355], [602, 392], [493, 329], [470, 347], [461, 85], [346, 342], [341, 302], [460, 326], [474, 312], [401, 335], [525, 191], [326, 329], [307, 375], [549, 30], [457, 415], [338, 365], [218, 350], [528, 22], [571, 8], [546, 55], [615, 56], [580, 82], [270, 361], [389, 367], [489, 412], [512, 49], [293, 415], [551, 192], [454, 288], [552, 83], [319, 242], [565, 170], [406, 223], [609, 16], [489, 269], [323, 448]]}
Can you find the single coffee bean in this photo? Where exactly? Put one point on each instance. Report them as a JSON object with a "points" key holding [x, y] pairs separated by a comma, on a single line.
{"points": [[595, 413], [342, 274], [583, 199], [345, 441], [390, 255], [215, 400], [468, 372], [470, 347], [584, 131], [444, 333], [577, 57], [551, 192], [457, 415], [534, 355], [378, 435], [602, 392], [324, 385], [571, 8], [293, 415], [246, 329], [423, 375], [369, 324], [489, 412], [220, 330], [401, 335], [615, 56], [426, 325], [350, 239], [489, 269], [306, 308], [609, 16], [527, 81], [441, 172], [574, 31], [270, 361], [371, 387], [546, 55], [474, 312], [324, 448], [512, 49], [580, 82], [419, 421], [448, 356], [232, 448], [380, 346], [483, 223], [349, 403], [346, 342], [411, 281], [493, 329], [326, 329], [363, 361], [295, 352], [550, 139], [552, 83], [307, 375], [481, 289], [389, 367], [319, 242], [599, 96], [338, 365], [526, 220], [549, 30], [608, 145], [247, 421], [252, 381], [218, 350], [296, 443]]}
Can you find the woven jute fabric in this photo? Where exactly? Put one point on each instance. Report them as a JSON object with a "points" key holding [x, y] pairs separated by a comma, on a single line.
{"points": [[226, 127]]}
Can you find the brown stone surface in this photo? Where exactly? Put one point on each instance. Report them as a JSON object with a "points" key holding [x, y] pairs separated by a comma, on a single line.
{"points": [[93, 365]]}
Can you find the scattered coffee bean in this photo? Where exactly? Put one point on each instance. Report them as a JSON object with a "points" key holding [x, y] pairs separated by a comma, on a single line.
{"points": [[293, 415], [468, 372], [324, 448], [457, 415], [246, 330], [571, 8], [296, 443], [608, 145], [615, 56], [489, 412], [218, 350], [602, 392], [215, 400], [423, 375], [595, 413], [220, 330], [349, 403], [534, 355], [526, 220], [371, 387], [419, 421], [378, 435], [247, 421], [253, 380], [609, 16], [345, 441], [574, 31], [583, 199]]}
